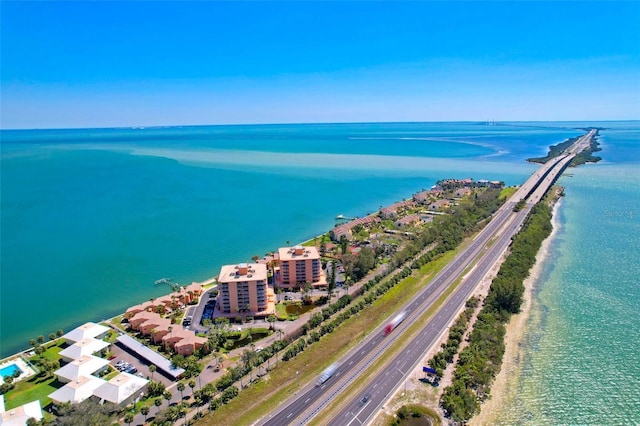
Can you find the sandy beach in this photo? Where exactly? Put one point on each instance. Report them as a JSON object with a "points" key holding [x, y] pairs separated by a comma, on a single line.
{"points": [[505, 385]]}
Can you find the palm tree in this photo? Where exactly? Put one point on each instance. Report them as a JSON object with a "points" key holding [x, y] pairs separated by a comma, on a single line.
{"points": [[271, 319], [192, 384], [152, 369], [128, 418], [180, 387], [157, 402], [306, 289], [144, 411], [167, 395]]}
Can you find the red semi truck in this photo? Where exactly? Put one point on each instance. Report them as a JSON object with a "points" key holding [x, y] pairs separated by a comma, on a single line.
{"points": [[394, 322]]}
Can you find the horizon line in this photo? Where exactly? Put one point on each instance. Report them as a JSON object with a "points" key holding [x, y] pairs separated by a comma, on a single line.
{"points": [[166, 126]]}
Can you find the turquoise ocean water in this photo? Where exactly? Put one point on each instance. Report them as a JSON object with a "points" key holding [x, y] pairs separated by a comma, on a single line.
{"points": [[91, 218], [581, 354]]}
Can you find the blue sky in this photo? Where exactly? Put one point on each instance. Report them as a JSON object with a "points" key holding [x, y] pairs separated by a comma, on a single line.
{"points": [[92, 64]]}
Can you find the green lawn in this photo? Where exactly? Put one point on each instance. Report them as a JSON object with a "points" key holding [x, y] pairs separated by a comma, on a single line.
{"points": [[36, 388], [281, 311], [507, 192]]}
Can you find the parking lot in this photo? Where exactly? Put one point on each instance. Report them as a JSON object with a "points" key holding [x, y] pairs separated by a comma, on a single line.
{"points": [[141, 365]]}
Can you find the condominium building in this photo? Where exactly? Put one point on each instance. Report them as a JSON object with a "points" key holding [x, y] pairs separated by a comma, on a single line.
{"points": [[299, 265], [243, 288]]}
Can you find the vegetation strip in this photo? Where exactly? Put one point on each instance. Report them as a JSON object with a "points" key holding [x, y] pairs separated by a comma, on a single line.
{"points": [[480, 361]]}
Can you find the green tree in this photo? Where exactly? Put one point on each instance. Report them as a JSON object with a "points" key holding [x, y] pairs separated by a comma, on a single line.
{"points": [[78, 414], [155, 388], [365, 262], [167, 395], [128, 418], [152, 369], [144, 410], [332, 279], [158, 402], [180, 388], [40, 339], [344, 244], [52, 336], [59, 333], [271, 319], [306, 289]]}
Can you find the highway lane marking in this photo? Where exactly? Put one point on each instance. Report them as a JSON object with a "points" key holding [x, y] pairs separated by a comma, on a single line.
{"points": [[290, 414], [307, 400]]}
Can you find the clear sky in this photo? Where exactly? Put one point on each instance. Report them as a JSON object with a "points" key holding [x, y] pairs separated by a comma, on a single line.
{"points": [[92, 64]]}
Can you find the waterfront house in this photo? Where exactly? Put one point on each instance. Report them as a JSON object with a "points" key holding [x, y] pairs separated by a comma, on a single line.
{"points": [[439, 205], [86, 331], [338, 232], [391, 212], [409, 220], [140, 318], [122, 389], [462, 192], [155, 327], [299, 265], [146, 306], [426, 197]]}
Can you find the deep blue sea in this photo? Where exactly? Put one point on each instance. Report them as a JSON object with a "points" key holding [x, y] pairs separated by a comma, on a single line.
{"points": [[90, 218]]}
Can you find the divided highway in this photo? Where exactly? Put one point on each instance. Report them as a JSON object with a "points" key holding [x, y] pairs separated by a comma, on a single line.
{"points": [[310, 400]]}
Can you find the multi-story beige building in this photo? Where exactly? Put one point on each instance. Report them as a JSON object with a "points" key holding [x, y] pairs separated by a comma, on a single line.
{"points": [[243, 288], [299, 265]]}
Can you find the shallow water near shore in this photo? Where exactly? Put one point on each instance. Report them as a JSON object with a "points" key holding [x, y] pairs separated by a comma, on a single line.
{"points": [[580, 359]]}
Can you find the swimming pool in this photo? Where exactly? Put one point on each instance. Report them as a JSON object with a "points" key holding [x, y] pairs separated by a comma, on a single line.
{"points": [[9, 370]]}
